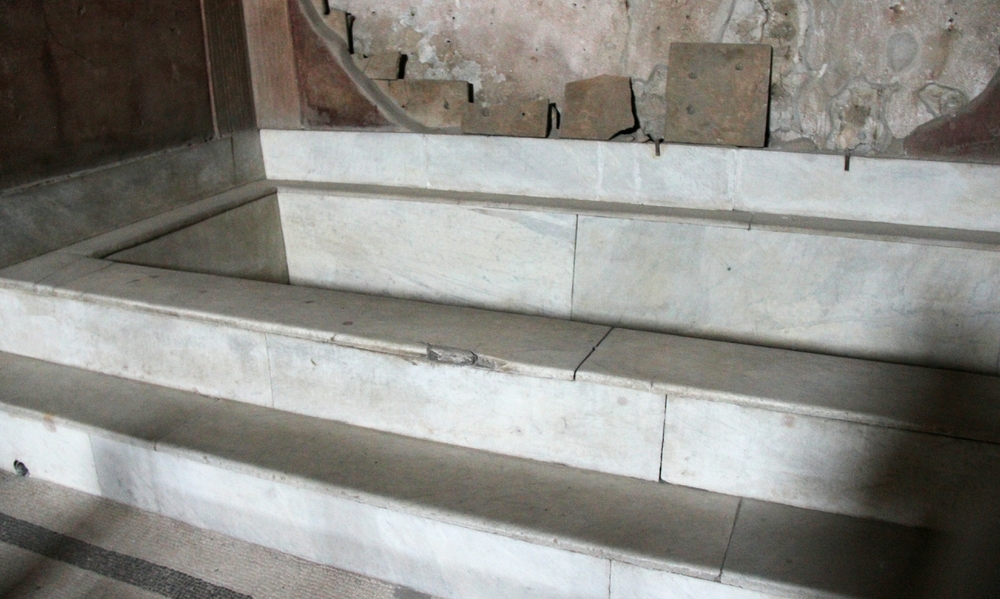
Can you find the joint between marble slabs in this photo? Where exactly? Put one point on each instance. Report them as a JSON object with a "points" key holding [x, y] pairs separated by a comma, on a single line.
{"points": [[729, 542], [591, 352]]}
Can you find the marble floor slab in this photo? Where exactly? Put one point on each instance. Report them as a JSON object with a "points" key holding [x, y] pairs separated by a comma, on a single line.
{"points": [[917, 304], [499, 259]]}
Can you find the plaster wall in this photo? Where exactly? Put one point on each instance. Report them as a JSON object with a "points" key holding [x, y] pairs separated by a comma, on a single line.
{"points": [[854, 75]]}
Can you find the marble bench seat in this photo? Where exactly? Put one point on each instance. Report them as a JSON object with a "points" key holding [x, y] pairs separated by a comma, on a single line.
{"points": [[448, 521], [857, 437]]}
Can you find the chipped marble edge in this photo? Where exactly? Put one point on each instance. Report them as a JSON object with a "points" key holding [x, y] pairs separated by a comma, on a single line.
{"points": [[38, 277]]}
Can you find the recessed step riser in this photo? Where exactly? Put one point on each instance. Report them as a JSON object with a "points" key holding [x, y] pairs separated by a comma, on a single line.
{"points": [[587, 425], [435, 557], [865, 297]]}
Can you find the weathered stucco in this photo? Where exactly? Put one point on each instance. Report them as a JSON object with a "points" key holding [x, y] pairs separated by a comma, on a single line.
{"points": [[852, 75]]}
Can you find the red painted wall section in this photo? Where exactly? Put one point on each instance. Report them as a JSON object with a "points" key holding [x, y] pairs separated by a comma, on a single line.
{"points": [[329, 97], [85, 82]]}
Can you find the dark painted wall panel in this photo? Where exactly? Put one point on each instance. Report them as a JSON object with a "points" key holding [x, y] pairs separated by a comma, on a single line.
{"points": [[89, 82]]}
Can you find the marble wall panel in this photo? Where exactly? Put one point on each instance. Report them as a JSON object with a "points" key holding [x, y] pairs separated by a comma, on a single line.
{"points": [[681, 176], [501, 259], [912, 303], [345, 157], [446, 560], [829, 465], [244, 242], [159, 349], [579, 424], [908, 192], [687, 177], [532, 167]]}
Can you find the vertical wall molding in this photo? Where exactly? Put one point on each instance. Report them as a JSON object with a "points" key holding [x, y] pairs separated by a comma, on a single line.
{"points": [[272, 64]]}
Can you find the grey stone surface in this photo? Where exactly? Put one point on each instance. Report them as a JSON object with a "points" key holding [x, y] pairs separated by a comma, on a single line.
{"points": [[803, 553], [46, 217], [916, 479], [927, 400], [159, 348], [94, 401], [245, 242], [596, 427], [680, 529], [633, 582]]}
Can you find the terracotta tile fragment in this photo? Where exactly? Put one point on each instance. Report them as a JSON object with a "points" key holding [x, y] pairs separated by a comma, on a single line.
{"points": [[431, 102], [718, 94], [598, 108], [525, 119]]}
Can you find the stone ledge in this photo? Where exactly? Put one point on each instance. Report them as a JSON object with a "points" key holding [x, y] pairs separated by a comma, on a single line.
{"points": [[209, 462]]}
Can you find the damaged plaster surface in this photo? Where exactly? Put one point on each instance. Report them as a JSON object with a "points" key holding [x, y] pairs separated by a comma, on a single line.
{"points": [[847, 75]]}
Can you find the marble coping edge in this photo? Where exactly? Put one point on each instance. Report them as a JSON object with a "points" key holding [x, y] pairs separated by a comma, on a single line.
{"points": [[402, 349], [745, 170], [169, 222], [477, 523], [784, 223]]}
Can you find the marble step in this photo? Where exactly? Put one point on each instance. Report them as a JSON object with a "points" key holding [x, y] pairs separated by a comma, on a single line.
{"points": [[120, 552], [452, 522], [892, 442]]}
